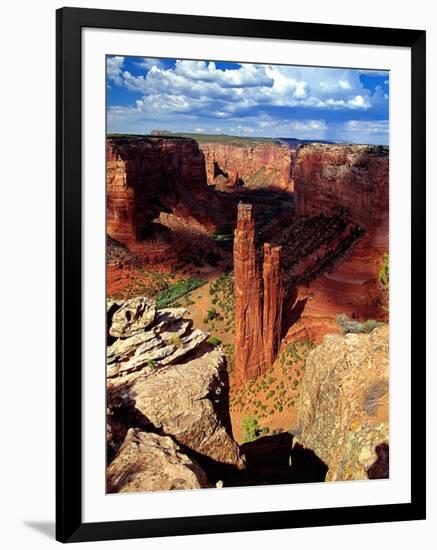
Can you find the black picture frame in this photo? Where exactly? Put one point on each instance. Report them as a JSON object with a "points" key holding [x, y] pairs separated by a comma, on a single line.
{"points": [[69, 524]]}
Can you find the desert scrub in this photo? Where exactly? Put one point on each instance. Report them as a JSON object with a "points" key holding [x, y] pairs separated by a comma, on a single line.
{"points": [[211, 314], [177, 290], [355, 327], [176, 341], [214, 341]]}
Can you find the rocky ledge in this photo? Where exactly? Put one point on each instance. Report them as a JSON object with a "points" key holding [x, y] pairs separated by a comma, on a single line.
{"points": [[167, 390], [147, 462], [344, 405]]}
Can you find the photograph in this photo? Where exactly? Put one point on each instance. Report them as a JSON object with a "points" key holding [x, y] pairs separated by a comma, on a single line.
{"points": [[247, 274]]}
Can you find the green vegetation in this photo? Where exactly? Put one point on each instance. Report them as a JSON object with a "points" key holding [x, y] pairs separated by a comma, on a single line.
{"points": [[237, 141], [355, 327], [384, 273], [220, 235], [277, 390], [214, 341], [176, 341], [252, 429], [222, 297], [176, 290], [211, 314]]}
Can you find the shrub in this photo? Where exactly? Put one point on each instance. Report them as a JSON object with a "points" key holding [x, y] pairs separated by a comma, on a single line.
{"points": [[251, 429], [176, 341], [355, 327], [214, 341], [211, 314]]}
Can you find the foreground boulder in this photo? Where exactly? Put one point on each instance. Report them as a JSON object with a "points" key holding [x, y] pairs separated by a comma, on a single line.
{"points": [[149, 462], [344, 405], [167, 379]]}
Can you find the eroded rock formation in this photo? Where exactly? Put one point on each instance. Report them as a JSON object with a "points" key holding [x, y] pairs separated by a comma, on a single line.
{"points": [[255, 165], [147, 176], [150, 462], [344, 405], [273, 298], [165, 380], [249, 349], [258, 301]]}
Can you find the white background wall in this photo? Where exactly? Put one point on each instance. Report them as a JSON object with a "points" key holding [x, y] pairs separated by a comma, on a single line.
{"points": [[27, 233]]}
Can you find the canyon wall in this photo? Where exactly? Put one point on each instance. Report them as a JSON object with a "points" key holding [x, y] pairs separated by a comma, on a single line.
{"points": [[350, 183], [258, 300], [150, 175], [354, 177], [254, 166]]}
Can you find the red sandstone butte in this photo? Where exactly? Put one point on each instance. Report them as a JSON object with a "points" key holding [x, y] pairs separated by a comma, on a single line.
{"points": [[249, 352], [252, 165], [149, 175], [273, 298]]}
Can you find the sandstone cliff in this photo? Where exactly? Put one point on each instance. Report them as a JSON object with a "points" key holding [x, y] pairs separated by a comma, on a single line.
{"points": [[165, 379], [344, 405], [254, 166], [353, 177], [334, 248], [147, 176]]}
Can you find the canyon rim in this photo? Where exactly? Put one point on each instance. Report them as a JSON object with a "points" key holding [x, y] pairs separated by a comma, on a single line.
{"points": [[247, 274]]}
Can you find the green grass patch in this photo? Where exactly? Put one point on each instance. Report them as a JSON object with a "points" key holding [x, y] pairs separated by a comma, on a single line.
{"points": [[174, 291]]}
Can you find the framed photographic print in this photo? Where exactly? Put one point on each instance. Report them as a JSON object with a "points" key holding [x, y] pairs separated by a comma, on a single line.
{"points": [[240, 274]]}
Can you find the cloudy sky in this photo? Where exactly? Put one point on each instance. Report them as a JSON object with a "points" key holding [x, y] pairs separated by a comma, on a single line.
{"points": [[247, 99]]}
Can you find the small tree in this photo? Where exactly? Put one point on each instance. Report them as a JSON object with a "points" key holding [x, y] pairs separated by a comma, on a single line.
{"points": [[251, 429]]}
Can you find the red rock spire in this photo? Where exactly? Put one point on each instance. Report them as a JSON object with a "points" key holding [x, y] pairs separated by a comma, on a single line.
{"points": [[249, 352], [257, 324], [273, 302]]}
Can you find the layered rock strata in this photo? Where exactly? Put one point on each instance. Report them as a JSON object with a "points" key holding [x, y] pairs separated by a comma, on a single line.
{"points": [[352, 177], [344, 405], [349, 183], [258, 301], [149, 175], [166, 380], [254, 166]]}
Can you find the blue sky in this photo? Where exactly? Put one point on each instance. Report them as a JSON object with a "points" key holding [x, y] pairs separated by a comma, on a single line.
{"points": [[247, 99]]}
